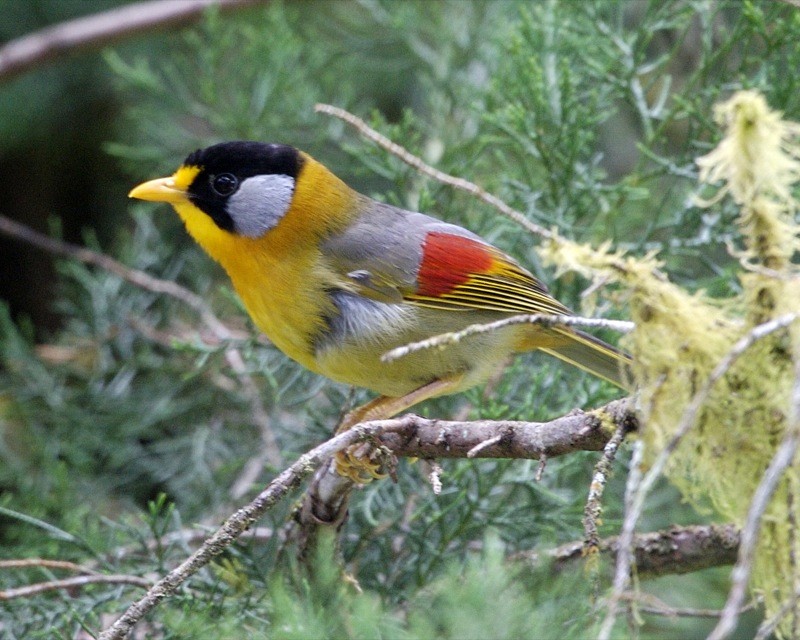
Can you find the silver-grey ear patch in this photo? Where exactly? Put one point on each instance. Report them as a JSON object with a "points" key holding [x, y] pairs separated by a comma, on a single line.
{"points": [[260, 203]]}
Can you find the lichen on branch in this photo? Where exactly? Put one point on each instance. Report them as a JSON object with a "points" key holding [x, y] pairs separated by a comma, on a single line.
{"points": [[681, 338]]}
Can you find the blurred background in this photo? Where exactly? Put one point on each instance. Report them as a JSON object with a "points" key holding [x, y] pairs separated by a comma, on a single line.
{"points": [[119, 417]]}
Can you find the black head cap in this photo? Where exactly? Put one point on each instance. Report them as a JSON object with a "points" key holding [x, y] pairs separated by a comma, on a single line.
{"points": [[224, 166]]}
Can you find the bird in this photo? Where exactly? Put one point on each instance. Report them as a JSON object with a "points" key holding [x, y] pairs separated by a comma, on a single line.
{"points": [[336, 279]]}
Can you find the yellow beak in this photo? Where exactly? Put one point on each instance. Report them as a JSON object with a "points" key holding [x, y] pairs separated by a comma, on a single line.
{"points": [[159, 190]]}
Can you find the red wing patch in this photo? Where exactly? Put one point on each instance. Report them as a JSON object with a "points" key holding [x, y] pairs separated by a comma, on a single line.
{"points": [[460, 274], [449, 261]]}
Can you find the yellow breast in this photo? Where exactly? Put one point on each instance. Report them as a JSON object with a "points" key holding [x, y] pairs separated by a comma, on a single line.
{"points": [[282, 277]]}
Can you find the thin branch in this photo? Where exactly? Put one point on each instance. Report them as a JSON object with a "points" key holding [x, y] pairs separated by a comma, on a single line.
{"points": [[625, 550], [408, 435], [326, 500], [768, 626], [758, 505], [30, 563], [648, 603], [413, 436], [101, 29], [644, 484], [473, 453], [418, 164], [623, 326], [72, 583], [236, 525], [594, 507], [134, 276], [692, 409], [271, 451], [741, 571]]}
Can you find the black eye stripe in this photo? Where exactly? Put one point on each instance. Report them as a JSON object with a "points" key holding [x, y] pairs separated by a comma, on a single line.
{"points": [[224, 184]]}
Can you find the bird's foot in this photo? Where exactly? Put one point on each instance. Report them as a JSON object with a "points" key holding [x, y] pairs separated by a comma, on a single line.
{"points": [[364, 462]]}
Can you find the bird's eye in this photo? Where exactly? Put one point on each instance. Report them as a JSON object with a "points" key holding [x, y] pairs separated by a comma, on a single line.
{"points": [[224, 184]]}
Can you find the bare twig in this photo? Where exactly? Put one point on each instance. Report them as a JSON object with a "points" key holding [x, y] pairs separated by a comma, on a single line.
{"points": [[485, 445], [741, 571], [134, 276], [625, 550], [594, 506], [540, 469], [45, 563], [100, 29], [724, 365], [71, 583], [648, 603], [546, 320], [768, 626], [413, 436], [418, 164], [435, 478], [425, 438], [271, 451]]}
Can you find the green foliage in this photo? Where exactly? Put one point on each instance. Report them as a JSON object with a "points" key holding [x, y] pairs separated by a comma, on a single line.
{"points": [[129, 423]]}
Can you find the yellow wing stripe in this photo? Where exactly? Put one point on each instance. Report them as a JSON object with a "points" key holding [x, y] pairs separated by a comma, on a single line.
{"points": [[493, 294]]}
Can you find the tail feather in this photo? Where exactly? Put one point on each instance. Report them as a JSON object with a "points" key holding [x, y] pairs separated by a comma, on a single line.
{"points": [[593, 355]]}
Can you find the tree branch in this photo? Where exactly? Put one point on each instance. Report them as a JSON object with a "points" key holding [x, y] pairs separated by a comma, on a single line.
{"points": [[578, 431], [326, 500], [71, 583], [235, 526], [425, 169], [417, 437], [639, 484], [100, 29], [673, 551], [543, 319], [271, 451], [594, 506]]}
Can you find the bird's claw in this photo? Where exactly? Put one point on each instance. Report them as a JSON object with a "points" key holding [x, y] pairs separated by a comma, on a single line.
{"points": [[363, 463]]}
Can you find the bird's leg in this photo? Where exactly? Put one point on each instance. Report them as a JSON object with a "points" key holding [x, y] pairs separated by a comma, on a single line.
{"points": [[354, 462]]}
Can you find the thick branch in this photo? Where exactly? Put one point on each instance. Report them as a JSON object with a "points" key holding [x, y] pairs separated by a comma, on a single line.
{"points": [[577, 431], [326, 500], [100, 29], [674, 551]]}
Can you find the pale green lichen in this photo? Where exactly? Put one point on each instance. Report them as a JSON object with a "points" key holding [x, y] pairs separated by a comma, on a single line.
{"points": [[680, 337]]}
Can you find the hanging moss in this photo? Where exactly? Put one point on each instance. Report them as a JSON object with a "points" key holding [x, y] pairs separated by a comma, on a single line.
{"points": [[681, 337]]}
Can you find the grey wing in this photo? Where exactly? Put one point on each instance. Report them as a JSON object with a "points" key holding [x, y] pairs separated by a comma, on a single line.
{"points": [[379, 255]]}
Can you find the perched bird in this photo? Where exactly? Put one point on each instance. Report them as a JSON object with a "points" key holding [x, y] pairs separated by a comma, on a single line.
{"points": [[336, 279]]}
